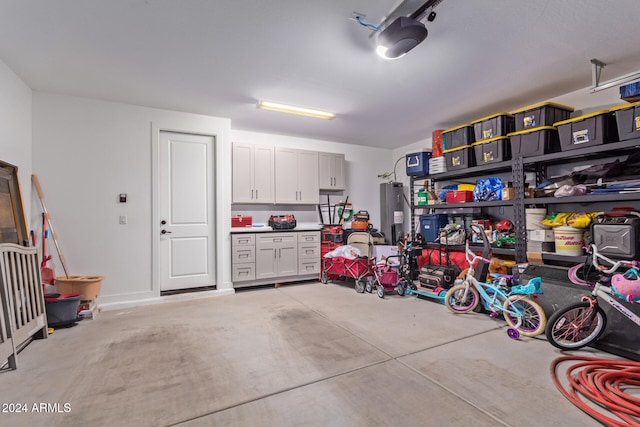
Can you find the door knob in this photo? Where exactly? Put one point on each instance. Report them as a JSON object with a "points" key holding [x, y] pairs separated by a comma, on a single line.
{"points": [[165, 232], [163, 222]]}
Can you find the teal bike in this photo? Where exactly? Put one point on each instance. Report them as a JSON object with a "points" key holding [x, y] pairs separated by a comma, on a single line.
{"points": [[523, 315]]}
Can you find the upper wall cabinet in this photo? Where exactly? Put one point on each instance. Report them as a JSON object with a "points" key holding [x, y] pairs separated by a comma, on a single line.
{"points": [[331, 171], [296, 176], [253, 173]]}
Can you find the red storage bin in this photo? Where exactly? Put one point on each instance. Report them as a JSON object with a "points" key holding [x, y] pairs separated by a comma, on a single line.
{"points": [[460, 196]]}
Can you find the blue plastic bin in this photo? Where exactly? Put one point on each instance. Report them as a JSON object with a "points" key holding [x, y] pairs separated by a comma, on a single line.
{"points": [[418, 163], [430, 225]]}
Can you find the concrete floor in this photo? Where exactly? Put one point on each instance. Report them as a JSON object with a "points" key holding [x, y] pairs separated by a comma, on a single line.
{"points": [[305, 354]]}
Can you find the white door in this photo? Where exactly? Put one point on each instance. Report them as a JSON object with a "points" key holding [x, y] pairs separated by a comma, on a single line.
{"points": [[187, 227]]}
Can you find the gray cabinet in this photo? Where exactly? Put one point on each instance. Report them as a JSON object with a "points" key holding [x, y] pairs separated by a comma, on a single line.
{"points": [[331, 171], [296, 176], [265, 258], [309, 253], [276, 255], [252, 173], [243, 257]]}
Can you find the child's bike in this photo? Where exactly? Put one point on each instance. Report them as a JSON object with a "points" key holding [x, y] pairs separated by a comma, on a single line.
{"points": [[523, 315], [580, 324]]}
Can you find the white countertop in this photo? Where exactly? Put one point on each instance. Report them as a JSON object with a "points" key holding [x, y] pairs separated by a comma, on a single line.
{"points": [[301, 226]]}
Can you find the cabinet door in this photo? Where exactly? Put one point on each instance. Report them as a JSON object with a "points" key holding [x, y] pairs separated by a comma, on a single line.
{"points": [[262, 171], [325, 171], [309, 190], [242, 173], [287, 175], [338, 175], [266, 257], [288, 258]]}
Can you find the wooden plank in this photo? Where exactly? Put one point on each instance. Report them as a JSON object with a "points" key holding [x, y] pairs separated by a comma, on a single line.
{"points": [[54, 235]]}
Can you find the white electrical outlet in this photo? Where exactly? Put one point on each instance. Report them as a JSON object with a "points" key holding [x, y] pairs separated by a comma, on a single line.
{"points": [[123, 219]]}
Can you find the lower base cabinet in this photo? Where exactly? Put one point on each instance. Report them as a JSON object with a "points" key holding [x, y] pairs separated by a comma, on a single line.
{"points": [[266, 258]]}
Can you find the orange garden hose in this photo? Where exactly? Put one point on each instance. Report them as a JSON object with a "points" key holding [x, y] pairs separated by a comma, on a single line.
{"points": [[602, 383]]}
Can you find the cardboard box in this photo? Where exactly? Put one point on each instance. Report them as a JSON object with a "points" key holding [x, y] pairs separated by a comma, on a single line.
{"points": [[88, 286], [541, 235], [508, 193]]}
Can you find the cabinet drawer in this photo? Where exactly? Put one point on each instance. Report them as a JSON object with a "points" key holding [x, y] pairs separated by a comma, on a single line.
{"points": [[309, 250], [270, 239], [241, 272], [309, 236], [308, 267], [243, 254], [243, 239]]}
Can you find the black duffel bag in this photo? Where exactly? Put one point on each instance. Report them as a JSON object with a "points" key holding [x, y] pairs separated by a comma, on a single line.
{"points": [[438, 276]]}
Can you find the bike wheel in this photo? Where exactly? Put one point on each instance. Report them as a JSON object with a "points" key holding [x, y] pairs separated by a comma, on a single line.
{"points": [[456, 301], [575, 326], [532, 317]]}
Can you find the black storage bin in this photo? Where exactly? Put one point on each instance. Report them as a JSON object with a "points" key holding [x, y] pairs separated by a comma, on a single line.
{"points": [[628, 120], [458, 136], [62, 309], [543, 114], [492, 150], [498, 124], [534, 142], [586, 131], [459, 158]]}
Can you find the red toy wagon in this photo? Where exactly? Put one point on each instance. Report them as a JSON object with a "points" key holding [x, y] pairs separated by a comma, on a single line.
{"points": [[358, 269]]}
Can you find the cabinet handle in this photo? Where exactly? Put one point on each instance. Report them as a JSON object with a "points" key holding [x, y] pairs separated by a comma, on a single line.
{"points": [[256, 194], [252, 194], [279, 253]]}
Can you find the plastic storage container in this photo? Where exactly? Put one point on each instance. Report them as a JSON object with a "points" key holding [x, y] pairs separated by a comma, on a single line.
{"points": [[628, 120], [534, 142], [458, 136], [430, 225], [437, 165], [418, 163], [459, 196], [492, 150], [62, 309], [569, 240], [498, 124], [459, 158], [543, 114], [596, 128]]}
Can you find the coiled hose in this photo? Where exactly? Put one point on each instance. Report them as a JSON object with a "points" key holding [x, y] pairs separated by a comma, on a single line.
{"points": [[602, 383]]}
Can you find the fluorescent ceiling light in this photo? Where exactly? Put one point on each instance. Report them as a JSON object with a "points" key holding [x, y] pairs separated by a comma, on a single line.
{"points": [[282, 108]]}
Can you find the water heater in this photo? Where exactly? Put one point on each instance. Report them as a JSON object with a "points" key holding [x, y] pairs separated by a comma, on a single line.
{"points": [[391, 212]]}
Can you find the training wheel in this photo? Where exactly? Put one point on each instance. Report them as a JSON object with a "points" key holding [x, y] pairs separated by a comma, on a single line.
{"points": [[513, 333]]}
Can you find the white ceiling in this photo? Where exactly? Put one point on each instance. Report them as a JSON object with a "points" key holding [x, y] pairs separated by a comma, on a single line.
{"points": [[218, 57]]}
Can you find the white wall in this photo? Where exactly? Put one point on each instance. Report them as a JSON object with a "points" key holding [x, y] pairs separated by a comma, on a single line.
{"points": [[85, 153], [363, 165], [15, 128]]}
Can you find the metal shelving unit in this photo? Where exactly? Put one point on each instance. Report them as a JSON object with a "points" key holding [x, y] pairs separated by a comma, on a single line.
{"points": [[517, 167]]}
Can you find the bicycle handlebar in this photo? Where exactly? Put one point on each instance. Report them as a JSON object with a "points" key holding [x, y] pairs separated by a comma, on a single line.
{"points": [[614, 264]]}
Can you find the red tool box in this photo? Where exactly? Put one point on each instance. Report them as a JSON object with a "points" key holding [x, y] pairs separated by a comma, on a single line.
{"points": [[460, 196], [241, 221]]}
